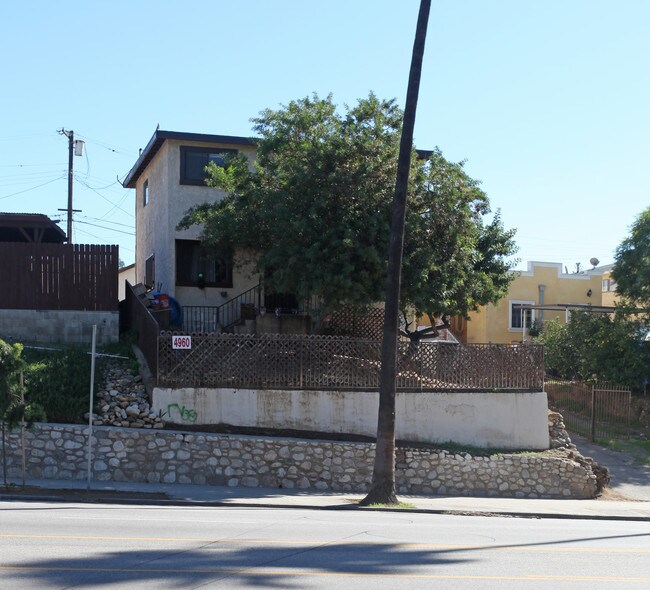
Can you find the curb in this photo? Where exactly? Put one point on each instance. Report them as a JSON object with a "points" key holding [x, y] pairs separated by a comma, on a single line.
{"points": [[131, 500]]}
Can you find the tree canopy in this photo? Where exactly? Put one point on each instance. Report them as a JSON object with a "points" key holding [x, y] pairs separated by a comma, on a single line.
{"points": [[632, 263], [594, 346], [313, 212]]}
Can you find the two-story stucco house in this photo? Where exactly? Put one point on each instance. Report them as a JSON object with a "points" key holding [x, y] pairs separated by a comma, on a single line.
{"points": [[169, 178]]}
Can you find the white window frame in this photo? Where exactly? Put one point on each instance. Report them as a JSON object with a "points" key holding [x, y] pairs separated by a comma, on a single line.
{"points": [[512, 302]]}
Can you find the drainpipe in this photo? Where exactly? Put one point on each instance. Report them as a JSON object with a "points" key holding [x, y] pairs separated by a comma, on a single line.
{"points": [[540, 298]]}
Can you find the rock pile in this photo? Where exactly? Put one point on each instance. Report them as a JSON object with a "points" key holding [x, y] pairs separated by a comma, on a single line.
{"points": [[124, 401], [558, 436]]}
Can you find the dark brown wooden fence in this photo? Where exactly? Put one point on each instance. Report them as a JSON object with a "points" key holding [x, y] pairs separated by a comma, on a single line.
{"points": [[140, 320], [75, 277]]}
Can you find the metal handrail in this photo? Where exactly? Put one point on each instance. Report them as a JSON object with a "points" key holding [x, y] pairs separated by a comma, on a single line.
{"points": [[230, 312]]}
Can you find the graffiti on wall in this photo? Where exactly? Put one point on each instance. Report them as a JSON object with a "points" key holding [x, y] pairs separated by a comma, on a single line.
{"points": [[177, 412]]}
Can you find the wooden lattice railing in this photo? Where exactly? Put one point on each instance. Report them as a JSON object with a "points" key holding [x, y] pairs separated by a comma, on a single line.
{"points": [[338, 363]]}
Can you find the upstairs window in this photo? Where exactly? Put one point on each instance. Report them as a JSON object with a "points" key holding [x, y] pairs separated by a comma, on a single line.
{"points": [[609, 285], [197, 268], [145, 192], [195, 159]]}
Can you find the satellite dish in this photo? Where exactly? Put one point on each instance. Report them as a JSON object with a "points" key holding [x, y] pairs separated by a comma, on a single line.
{"points": [[594, 261]]}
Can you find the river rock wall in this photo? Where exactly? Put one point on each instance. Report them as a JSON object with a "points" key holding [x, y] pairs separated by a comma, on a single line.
{"points": [[56, 451]]}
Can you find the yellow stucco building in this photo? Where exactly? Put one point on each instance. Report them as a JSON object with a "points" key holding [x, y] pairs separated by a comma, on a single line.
{"points": [[543, 283]]}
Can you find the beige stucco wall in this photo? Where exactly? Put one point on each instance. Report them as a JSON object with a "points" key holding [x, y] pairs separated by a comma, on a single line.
{"points": [[125, 274], [490, 420], [492, 323], [610, 297], [156, 222]]}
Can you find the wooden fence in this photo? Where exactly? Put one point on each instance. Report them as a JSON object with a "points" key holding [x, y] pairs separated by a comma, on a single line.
{"points": [[275, 361], [139, 319], [74, 277]]}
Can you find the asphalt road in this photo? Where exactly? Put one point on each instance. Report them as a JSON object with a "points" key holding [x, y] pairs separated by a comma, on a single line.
{"points": [[49, 545]]}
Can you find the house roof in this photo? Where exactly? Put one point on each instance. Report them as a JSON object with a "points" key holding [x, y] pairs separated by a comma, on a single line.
{"points": [[159, 137], [29, 227]]}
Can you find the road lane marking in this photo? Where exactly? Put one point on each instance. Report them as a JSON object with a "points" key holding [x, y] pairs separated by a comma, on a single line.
{"points": [[429, 546], [268, 572]]}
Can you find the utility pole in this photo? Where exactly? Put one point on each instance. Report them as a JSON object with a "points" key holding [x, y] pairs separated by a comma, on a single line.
{"points": [[72, 144]]}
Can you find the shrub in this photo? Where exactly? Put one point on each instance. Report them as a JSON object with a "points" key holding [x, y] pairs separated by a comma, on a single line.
{"points": [[59, 381]]}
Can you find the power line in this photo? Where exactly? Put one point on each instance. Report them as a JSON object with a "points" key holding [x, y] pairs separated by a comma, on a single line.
{"points": [[102, 188], [107, 221], [119, 231], [32, 188], [29, 165], [103, 197], [108, 146], [27, 177]]}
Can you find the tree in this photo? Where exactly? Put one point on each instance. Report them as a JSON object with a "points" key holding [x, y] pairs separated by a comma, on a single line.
{"points": [[314, 213], [632, 263], [382, 486], [594, 346], [10, 365]]}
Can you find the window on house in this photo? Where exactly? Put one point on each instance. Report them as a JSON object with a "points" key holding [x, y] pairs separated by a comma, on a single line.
{"points": [[195, 159], [150, 272], [518, 315], [197, 268], [145, 192]]}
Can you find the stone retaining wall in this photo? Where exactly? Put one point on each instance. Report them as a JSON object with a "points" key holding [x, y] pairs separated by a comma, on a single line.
{"points": [[124, 454]]}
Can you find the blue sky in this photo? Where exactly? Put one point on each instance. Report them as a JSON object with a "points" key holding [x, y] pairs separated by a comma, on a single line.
{"points": [[547, 101]]}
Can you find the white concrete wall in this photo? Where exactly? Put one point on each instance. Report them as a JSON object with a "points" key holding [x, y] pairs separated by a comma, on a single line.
{"points": [[489, 420]]}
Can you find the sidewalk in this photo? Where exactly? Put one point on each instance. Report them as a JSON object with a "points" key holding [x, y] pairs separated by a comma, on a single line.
{"points": [[628, 478], [192, 495]]}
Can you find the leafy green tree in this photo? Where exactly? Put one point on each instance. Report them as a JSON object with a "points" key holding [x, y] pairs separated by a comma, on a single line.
{"points": [[314, 213], [632, 263], [10, 365], [598, 347]]}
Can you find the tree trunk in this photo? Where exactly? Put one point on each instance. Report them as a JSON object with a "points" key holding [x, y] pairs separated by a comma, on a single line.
{"points": [[4, 456], [382, 489]]}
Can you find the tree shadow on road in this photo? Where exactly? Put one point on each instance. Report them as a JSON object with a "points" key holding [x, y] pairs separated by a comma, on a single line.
{"points": [[279, 565]]}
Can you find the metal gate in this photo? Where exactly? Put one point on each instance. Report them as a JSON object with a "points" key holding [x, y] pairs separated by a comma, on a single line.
{"points": [[595, 410]]}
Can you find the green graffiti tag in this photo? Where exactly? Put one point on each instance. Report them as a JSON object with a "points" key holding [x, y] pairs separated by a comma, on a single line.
{"points": [[185, 414]]}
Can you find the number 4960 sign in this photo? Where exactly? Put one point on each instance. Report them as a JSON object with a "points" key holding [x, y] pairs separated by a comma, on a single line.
{"points": [[182, 342]]}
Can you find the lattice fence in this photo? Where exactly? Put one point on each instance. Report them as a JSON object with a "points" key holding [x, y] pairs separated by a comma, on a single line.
{"points": [[367, 323], [338, 363]]}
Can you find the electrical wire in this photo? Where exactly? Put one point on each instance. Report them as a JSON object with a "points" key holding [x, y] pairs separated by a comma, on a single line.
{"points": [[107, 221], [32, 188], [116, 206], [102, 188], [30, 165], [108, 146], [103, 197], [100, 239], [119, 231], [27, 137]]}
